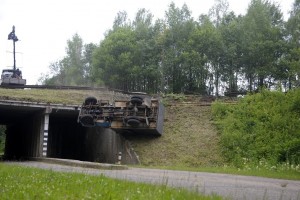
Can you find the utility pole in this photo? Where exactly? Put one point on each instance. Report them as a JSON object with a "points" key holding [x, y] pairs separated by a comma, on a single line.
{"points": [[14, 38]]}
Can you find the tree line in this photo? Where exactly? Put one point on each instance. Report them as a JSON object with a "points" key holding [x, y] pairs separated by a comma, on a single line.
{"points": [[217, 52]]}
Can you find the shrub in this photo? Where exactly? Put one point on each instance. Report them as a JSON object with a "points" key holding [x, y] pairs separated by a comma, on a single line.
{"points": [[265, 126]]}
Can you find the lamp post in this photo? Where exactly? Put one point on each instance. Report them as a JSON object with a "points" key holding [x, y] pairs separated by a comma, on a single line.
{"points": [[14, 38]]}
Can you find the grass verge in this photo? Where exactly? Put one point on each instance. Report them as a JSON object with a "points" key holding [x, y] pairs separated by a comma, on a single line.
{"points": [[73, 97], [29, 183], [288, 174]]}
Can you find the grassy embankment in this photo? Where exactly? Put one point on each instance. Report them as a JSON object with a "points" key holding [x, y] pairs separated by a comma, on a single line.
{"points": [[72, 97], [29, 183]]}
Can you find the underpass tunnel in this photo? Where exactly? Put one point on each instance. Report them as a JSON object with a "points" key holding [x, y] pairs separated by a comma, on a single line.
{"points": [[23, 126], [66, 137]]}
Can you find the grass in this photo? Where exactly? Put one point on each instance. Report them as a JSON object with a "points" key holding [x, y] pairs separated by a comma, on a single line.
{"points": [[189, 140], [289, 174], [29, 183], [73, 97]]}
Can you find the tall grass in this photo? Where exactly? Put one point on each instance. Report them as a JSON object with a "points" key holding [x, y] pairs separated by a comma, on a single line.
{"points": [[30, 183]]}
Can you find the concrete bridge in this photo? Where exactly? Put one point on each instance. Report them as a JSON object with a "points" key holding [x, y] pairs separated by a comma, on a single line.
{"points": [[36, 129]]}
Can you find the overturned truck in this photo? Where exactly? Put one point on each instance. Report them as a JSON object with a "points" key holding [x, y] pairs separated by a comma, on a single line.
{"points": [[139, 114]]}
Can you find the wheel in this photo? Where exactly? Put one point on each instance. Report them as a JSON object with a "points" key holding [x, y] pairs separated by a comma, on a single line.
{"points": [[136, 100], [87, 120], [90, 101], [133, 121]]}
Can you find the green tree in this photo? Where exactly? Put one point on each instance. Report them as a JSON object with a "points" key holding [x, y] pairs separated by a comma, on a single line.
{"points": [[231, 32], [74, 68], [290, 65], [113, 59], [179, 26], [87, 63], [216, 52], [145, 72], [263, 41]]}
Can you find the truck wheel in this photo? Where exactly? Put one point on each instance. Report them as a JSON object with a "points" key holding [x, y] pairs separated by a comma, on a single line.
{"points": [[134, 122], [90, 101], [87, 120], [136, 100]]}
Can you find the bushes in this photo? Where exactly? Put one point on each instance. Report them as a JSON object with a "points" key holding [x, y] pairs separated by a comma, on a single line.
{"points": [[2, 139], [263, 126]]}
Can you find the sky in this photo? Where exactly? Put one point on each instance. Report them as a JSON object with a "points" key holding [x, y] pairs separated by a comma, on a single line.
{"points": [[44, 26]]}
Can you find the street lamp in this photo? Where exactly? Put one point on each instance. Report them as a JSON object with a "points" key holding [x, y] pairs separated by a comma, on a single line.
{"points": [[12, 36]]}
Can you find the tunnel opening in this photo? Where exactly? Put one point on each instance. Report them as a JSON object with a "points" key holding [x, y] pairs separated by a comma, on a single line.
{"points": [[66, 137], [22, 131], [69, 140]]}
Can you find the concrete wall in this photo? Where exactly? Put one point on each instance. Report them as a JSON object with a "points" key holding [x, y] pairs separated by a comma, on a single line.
{"points": [[106, 146]]}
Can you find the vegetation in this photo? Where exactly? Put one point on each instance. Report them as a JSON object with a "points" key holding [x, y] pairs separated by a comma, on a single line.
{"points": [[217, 52], [261, 128], [2, 139], [189, 140], [75, 97], [29, 183]]}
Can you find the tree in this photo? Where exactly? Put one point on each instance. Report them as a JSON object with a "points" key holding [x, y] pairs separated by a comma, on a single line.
{"points": [[113, 59], [74, 68], [263, 41], [145, 72], [290, 63], [179, 27], [231, 32], [87, 62], [215, 53]]}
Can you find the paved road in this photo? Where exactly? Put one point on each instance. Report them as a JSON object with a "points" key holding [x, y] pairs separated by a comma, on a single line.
{"points": [[231, 186]]}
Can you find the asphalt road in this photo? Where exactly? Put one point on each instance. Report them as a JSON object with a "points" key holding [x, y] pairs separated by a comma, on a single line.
{"points": [[229, 186]]}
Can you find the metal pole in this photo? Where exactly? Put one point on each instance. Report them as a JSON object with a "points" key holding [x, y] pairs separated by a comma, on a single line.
{"points": [[14, 56]]}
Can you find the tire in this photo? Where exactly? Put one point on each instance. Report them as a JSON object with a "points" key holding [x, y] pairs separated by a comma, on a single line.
{"points": [[136, 100], [87, 120], [133, 121], [90, 101]]}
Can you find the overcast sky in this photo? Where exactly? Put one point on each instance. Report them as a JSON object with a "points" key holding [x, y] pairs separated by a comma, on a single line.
{"points": [[44, 26]]}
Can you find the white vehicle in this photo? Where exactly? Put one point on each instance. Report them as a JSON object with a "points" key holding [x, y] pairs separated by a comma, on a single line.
{"points": [[12, 76]]}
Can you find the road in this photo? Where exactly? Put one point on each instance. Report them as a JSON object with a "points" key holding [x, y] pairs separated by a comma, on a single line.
{"points": [[231, 186]]}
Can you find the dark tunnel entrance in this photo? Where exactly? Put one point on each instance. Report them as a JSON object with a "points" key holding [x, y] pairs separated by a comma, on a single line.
{"points": [[66, 136], [23, 125]]}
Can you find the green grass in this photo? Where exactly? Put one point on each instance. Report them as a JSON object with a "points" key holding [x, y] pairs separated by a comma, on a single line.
{"points": [[29, 183], [289, 174], [75, 97], [189, 140]]}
